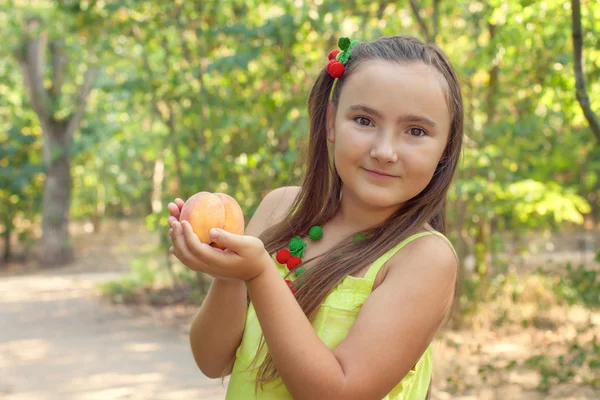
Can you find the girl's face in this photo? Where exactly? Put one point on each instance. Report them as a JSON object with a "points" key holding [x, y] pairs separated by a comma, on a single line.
{"points": [[389, 131]]}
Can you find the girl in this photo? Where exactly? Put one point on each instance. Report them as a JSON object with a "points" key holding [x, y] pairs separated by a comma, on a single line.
{"points": [[349, 276]]}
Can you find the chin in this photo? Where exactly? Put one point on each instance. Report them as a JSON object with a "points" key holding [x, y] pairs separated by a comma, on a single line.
{"points": [[383, 198]]}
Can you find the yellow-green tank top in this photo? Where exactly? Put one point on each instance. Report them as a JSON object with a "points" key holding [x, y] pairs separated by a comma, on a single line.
{"points": [[333, 321]]}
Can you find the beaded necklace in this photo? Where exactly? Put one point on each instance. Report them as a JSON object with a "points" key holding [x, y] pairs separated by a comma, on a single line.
{"points": [[292, 258]]}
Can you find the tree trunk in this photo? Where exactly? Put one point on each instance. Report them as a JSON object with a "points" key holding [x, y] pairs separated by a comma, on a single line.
{"points": [[8, 227], [429, 35], [56, 243], [57, 135], [483, 242], [483, 255], [580, 86], [99, 214]]}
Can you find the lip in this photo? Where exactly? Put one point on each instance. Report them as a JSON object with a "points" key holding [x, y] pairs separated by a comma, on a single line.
{"points": [[379, 174]]}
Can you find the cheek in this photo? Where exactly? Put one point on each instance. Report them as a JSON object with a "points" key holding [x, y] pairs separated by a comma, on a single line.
{"points": [[421, 165], [341, 158], [350, 146], [353, 140]]}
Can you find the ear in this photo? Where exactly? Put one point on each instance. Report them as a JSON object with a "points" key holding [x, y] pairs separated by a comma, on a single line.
{"points": [[330, 122]]}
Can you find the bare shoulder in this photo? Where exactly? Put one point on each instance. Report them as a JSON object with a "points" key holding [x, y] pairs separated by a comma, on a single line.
{"points": [[429, 258], [272, 209], [429, 249]]}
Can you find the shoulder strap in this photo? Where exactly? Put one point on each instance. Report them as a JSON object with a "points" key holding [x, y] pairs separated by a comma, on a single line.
{"points": [[377, 264]]}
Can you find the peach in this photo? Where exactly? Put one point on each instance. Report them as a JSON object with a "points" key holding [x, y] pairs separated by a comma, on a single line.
{"points": [[206, 210]]}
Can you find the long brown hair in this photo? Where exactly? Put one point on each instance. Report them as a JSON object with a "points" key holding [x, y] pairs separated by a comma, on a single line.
{"points": [[319, 197]]}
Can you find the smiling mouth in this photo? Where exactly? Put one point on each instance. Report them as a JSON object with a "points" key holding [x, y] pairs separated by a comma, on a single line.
{"points": [[380, 174]]}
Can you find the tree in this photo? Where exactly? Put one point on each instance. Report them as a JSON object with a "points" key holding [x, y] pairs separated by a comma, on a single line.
{"points": [[429, 35], [581, 90], [57, 133]]}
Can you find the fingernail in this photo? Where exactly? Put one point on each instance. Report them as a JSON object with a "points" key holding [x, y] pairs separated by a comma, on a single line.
{"points": [[214, 232]]}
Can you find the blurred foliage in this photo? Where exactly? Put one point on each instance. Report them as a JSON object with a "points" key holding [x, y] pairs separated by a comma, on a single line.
{"points": [[579, 285], [211, 95], [582, 360]]}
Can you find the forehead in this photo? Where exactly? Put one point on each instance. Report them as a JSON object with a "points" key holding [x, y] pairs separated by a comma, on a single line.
{"points": [[394, 89]]}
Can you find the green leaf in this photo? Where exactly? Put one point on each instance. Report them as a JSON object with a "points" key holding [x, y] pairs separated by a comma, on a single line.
{"points": [[344, 43]]}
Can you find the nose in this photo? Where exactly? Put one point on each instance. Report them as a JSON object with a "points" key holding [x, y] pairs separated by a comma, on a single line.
{"points": [[383, 149]]}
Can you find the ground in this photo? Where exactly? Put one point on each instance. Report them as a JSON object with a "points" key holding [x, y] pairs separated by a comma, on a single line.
{"points": [[61, 340]]}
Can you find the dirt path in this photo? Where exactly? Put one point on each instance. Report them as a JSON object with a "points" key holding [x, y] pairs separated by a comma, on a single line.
{"points": [[58, 340]]}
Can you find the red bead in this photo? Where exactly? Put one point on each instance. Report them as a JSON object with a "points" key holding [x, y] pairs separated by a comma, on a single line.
{"points": [[291, 286], [335, 68], [333, 54], [293, 262], [283, 256]]}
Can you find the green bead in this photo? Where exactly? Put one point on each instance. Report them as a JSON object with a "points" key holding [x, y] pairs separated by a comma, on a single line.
{"points": [[358, 237], [299, 271], [344, 42], [315, 233], [297, 246], [343, 57]]}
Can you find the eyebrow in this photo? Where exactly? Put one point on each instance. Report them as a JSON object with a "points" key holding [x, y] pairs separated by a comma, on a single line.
{"points": [[403, 118]]}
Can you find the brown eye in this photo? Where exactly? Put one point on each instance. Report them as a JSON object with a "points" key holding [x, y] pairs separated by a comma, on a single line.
{"points": [[417, 132], [363, 121]]}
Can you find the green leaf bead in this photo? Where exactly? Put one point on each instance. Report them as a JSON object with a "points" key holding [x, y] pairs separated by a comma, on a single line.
{"points": [[299, 271], [297, 246], [344, 42], [358, 237], [315, 233], [343, 57]]}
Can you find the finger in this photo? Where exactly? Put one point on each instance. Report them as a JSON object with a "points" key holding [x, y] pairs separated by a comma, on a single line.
{"points": [[179, 203], [205, 256], [170, 220], [173, 250], [176, 251], [192, 241], [173, 210], [235, 243], [181, 248], [217, 258]]}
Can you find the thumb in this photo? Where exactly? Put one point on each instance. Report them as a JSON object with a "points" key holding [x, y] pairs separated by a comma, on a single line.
{"points": [[224, 239]]}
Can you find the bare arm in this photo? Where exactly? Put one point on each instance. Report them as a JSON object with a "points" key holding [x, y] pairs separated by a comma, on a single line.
{"points": [[216, 331]]}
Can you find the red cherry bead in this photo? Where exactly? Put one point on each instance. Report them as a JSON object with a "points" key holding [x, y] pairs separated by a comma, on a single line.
{"points": [[333, 54], [335, 68], [291, 286], [283, 256], [293, 262]]}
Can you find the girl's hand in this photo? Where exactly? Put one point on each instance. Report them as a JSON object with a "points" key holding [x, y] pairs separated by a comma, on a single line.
{"points": [[175, 211], [244, 258]]}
